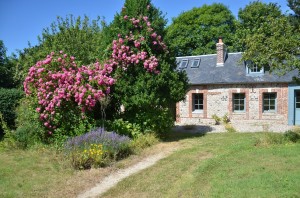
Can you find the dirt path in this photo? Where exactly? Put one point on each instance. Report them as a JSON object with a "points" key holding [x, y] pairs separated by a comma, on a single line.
{"points": [[112, 179]]}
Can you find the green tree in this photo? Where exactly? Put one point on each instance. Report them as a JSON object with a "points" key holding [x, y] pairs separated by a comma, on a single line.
{"points": [[251, 18], [268, 37], [295, 18], [147, 97], [131, 9], [275, 45], [6, 68], [295, 6], [79, 37], [196, 31]]}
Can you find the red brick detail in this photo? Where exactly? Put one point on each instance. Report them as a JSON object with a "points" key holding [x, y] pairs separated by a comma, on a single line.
{"points": [[203, 90], [282, 100]]}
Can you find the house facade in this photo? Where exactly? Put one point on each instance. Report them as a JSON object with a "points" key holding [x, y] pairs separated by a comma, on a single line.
{"points": [[253, 98]]}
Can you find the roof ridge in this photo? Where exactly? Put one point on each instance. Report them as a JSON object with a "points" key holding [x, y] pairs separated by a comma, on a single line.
{"points": [[206, 55]]}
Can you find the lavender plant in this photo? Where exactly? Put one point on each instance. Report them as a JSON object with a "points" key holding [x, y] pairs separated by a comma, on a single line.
{"points": [[115, 146]]}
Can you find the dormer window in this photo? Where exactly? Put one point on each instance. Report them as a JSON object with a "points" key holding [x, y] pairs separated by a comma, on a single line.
{"points": [[253, 69], [184, 63], [196, 63]]}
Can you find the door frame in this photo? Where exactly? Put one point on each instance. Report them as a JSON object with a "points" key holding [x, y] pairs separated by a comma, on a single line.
{"points": [[292, 89]]}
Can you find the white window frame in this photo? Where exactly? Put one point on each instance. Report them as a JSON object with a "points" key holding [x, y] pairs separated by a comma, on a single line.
{"points": [[253, 69], [184, 63], [196, 60]]}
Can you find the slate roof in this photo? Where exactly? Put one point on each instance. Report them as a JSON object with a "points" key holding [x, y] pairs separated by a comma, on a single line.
{"points": [[233, 71]]}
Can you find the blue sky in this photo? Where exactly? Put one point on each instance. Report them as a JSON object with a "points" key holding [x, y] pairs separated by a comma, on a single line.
{"points": [[21, 21]]}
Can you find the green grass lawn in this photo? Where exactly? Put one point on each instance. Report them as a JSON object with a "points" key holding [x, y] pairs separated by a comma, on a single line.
{"points": [[31, 173], [214, 165], [219, 165]]}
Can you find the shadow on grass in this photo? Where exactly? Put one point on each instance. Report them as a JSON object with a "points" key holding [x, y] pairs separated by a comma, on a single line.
{"points": [[184, 132]]}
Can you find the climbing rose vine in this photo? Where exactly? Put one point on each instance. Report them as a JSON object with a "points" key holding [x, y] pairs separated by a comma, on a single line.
{"points": [[57, 80]]}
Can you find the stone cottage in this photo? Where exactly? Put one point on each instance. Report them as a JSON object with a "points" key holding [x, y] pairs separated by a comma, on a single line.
{"points": [[253, 98]]}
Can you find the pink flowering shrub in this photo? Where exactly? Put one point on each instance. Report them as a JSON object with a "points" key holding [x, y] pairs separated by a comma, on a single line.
{"points": [[60, 85], [137, 47]]}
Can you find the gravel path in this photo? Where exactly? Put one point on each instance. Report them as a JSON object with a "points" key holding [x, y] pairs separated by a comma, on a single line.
{"points": [[111, 180]]}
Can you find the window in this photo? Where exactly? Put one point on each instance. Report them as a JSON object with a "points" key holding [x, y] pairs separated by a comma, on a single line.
{"points": [[253, 68], [196, 63], [184, 63], [269, 103], [239, 102], [197, 102]]}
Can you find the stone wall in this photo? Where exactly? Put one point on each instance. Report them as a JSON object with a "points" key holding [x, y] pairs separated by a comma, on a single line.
{"points": [[217, 99]]}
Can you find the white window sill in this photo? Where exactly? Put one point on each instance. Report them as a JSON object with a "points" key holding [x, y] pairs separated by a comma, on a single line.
{"points": [[198, 111]]}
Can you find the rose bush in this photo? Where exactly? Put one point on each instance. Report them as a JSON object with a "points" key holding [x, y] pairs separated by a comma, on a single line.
{"points": [[61, 86]]}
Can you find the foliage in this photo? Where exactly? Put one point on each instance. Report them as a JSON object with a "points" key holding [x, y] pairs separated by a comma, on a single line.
{"points": [[292, 135], [79, 37], [196, 31], [147, 83], [295, 17], [65, 92], [113, 147], [225, 119], [216, 118], [276, 46], [125, 128], [131, 9], [9, 99], [144, 141], [270, 139], [6, 68], [295, 6], [29, 130], [250, 19], [268, 38], [229, 128], [93, 156]]}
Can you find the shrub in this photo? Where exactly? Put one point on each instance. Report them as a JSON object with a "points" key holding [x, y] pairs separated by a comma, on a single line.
{"points": [[216, 118], [292, 136], [144, 141], [229, 128], [64, 92], [125, 128], [113, 147], [158, 120], [29, 130], [9, 99], [225, 119], [91, 156], [271, 139]]}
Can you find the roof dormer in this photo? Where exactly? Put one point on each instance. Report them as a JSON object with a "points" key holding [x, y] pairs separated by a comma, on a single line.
{"points": [[253, 69]]}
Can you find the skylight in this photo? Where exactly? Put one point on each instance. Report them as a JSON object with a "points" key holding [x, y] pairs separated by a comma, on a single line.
{"points": [[184, 63], [196, 63]]}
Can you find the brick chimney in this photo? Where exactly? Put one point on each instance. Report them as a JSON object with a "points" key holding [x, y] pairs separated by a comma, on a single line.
{"points": [[221, 52]]}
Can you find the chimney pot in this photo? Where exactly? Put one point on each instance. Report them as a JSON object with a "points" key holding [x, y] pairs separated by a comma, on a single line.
{"points": [[220, 39], [220, 52]]}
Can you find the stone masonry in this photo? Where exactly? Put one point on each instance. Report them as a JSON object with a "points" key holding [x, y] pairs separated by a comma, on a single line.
{"points": [[217, 99]]}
